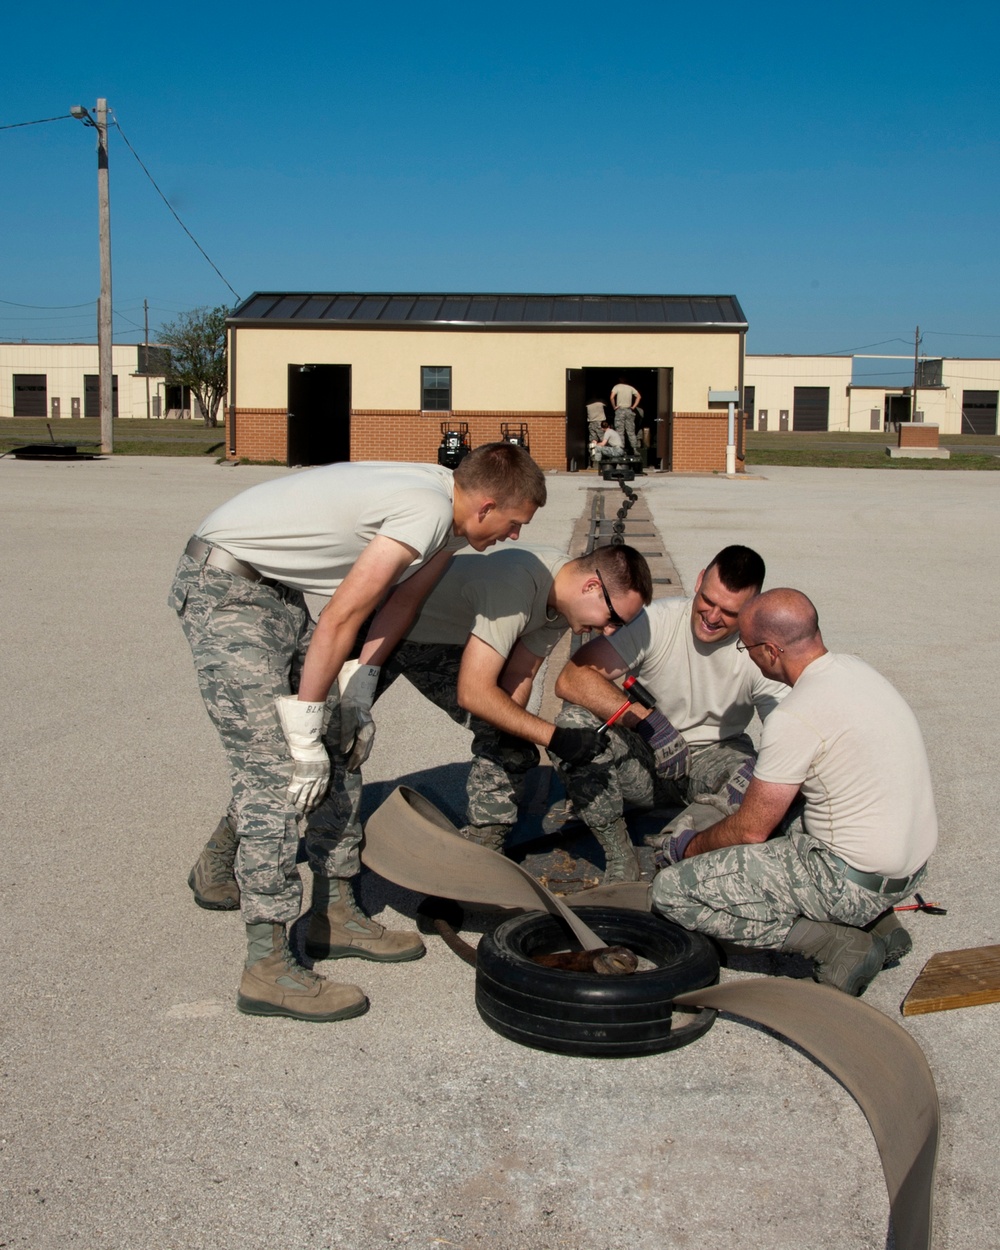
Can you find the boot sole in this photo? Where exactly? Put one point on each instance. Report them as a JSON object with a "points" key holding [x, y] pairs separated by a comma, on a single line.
{"points": [[352, 952], [255, 1007], [228, 905]]}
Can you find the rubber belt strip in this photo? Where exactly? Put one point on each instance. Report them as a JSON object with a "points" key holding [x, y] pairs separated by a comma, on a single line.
{"points": [[410, 842]]}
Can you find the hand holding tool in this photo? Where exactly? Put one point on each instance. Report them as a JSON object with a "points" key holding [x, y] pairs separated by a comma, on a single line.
{"points": [[637, 693]]}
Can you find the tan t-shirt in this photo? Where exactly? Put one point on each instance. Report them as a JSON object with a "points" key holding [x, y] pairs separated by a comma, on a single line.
{"points": [[307, 529], [707, 691], [500, 596], [624, 396], [848, 737]]}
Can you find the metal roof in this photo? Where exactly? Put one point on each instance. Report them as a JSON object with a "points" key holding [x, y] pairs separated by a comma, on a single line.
{"points": [[361, 309]]}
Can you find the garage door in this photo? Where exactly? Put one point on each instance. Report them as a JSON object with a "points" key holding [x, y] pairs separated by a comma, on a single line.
{"points": [[29, 395], [92, 395], [812, 408], [979, 412]]}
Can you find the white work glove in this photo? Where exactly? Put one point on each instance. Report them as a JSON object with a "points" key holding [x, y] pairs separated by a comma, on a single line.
{"points": [[358, 683], [303, 728]]}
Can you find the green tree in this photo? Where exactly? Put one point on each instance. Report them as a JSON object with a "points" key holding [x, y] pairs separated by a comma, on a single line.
{"points": [[196, 343]]}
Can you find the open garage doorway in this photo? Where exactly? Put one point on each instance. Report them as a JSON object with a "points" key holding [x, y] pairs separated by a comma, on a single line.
{"points": [[319, 414], [654, 384]]}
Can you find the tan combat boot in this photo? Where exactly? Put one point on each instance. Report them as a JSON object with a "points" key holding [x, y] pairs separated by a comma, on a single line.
{"points": [[274, 983], [212, 878], [897, 940], [492, 837], [847, 958], [621, 860], [338, 928]]}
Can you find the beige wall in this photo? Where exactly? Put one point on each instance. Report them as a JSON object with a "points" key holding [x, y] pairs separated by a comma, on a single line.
{"points": [[491, 369], [64, 366], [931, 402], [774, 379]]}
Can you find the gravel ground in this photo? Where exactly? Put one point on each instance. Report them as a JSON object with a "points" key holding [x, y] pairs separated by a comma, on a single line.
{"points": [[139, 1108]]}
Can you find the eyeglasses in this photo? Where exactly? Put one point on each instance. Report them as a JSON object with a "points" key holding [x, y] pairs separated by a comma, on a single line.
{"points": [[749, 646], [613, 617]]}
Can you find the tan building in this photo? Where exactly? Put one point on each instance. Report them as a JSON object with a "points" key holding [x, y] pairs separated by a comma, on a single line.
{"points": [[56, 381], [336, 376], [959, 395]]}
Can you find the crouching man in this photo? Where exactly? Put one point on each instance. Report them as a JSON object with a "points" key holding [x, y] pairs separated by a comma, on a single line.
{"points": [[693, 748], [474, 650], [845, 740]]}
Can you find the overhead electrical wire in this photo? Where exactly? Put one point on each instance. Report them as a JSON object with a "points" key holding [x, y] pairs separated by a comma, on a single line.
{"points": [[118, 127], [61, 118]]}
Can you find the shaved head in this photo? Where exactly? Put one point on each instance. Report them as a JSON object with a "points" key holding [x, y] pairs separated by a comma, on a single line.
{"points": [[783, 616]]}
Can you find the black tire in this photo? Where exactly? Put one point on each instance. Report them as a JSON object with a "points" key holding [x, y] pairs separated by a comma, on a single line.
{"points": [[576, 1013]]}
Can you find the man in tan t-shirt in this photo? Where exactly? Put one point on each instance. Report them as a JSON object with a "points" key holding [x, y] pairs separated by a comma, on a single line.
{"points": [[693, 748], [474, 650], [846, 744]]}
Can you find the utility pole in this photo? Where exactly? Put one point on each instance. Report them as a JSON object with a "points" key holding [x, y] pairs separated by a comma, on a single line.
{"points": [[105, 361], [104, 331], [145, 341], [916, 370]]}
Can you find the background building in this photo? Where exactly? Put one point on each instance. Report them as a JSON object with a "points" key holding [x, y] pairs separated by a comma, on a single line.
{"points": [[797, 393], [335, 376], [55, 381]]}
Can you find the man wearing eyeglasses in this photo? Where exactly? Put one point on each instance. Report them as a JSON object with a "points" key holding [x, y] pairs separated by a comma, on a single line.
{"points": [[847, 743], [474, 649], [693, 748]]}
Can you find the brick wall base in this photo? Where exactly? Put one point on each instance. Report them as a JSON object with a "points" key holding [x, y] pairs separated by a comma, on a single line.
{"points": [[388, 434], [917, 435], [699, 442]]}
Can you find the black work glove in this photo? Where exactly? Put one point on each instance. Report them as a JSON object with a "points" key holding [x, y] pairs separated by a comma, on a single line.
{"points": [[577, 746]]}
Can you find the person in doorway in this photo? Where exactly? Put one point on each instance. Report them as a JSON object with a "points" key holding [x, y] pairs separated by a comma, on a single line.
{"points": [[474, 650], [607, 447], [625, 398], [692, 750], [340, 537], [846, 745], [596, 414]]}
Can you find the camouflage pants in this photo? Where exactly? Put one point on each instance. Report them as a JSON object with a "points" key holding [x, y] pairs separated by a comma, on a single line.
{"points": [[496, 781], [248, 640], [625, 425], [753, 894], [623, 776]]}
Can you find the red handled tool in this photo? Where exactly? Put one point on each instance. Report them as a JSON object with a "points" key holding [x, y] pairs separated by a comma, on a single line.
{"points": [[637, 693]]}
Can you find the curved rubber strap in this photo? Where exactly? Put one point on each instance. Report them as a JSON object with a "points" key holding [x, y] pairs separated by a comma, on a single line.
{"points": [[409, 841], [876, 1060]]}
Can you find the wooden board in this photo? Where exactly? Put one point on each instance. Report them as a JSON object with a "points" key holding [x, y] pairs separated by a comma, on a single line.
{"points": [[952, 979]]}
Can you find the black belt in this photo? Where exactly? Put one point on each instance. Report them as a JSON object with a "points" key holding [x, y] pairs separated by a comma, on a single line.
{"points": [[873, 881], [218, 558]]}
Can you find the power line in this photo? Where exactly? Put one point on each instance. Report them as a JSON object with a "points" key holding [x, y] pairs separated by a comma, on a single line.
{"points": [[41, 121], [167, 202], [10, 303]]}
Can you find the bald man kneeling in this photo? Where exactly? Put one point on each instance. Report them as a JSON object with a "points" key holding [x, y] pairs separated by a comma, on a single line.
{"points": [[819, 878]]}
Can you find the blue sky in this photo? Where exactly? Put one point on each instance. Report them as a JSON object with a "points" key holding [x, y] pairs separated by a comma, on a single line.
{"points": [[836, 168]]}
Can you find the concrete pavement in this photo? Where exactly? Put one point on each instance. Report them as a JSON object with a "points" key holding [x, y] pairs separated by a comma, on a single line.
{"points": [[140, 1109]]}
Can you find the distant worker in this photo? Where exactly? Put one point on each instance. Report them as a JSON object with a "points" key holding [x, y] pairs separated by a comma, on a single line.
{"points": [[596, 412], [625, 398], [608, 446], [846, 742]]}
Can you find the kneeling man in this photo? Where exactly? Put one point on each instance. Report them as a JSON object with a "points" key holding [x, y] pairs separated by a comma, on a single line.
{"points": [[845, 740]]}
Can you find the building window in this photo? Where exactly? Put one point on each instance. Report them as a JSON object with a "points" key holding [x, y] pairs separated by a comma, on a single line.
{"points": [[435, 388]]}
